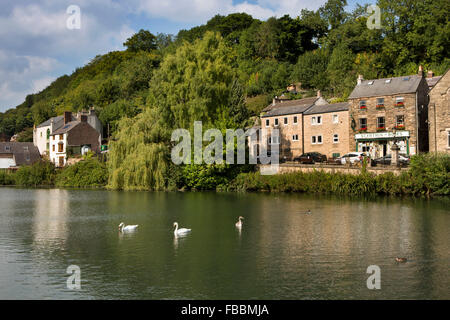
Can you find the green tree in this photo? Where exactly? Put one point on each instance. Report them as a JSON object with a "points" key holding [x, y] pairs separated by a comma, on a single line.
{"points": [[141, 41]]}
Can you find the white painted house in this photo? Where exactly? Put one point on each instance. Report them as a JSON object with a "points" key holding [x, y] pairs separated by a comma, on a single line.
{"points": [[42, 132], [74, 138]]}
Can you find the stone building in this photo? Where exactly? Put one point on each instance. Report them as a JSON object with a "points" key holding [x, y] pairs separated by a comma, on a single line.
{"points": [[287, 117], [16, 154], [326, 129], [439, 115], [384, 111]]}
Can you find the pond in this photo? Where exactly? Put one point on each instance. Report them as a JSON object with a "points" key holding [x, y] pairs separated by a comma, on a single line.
{"points": [[281, 252]]}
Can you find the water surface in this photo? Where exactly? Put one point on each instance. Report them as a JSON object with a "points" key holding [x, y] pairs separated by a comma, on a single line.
{"points": [[280, 253]]}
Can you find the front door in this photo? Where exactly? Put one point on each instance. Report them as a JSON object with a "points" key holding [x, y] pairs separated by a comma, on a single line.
{"points": [[61, 161], [383, 148]]}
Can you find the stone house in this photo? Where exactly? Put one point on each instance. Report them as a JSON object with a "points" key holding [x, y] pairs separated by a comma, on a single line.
{"points": [[439, 115], [326, 129], [384, 111], [72, 139], [287, 117], [16, 154]]}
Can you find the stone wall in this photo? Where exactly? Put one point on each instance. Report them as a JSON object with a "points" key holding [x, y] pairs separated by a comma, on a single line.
{"points": [[327, 129], [439, 115], [355, 170], [288, 147], [389, 112]]}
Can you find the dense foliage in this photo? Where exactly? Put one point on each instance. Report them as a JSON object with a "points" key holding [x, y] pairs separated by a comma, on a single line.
{"points": [[428, 175], [88, 173]]}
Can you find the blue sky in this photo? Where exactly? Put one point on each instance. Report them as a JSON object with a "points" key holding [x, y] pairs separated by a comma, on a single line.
{"points": [[37, 47]]}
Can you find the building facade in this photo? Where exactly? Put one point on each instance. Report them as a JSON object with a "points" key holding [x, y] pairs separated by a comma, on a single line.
{"points": [[439, 115], [72, 139], [287, 118], [42, 132], [387, 111], [326, 129]]}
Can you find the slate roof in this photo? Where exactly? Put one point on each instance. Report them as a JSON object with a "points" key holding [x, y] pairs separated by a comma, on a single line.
{"points": [[384, 87], [326, 108], [20, 150], [58, 122], [433, 80], [289, 107], [66, 128]]}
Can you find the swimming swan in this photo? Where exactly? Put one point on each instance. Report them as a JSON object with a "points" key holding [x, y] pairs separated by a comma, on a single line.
{"points": [[124, 228], [239, 223], [180, 231]]}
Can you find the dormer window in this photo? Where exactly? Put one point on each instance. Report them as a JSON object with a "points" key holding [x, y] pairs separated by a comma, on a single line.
{"points": [[7, 148]]}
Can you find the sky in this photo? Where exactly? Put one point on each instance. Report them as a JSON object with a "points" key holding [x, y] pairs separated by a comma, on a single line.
{"points": [[37, 46]]}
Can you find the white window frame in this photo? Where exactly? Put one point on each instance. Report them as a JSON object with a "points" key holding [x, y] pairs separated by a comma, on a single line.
{"points": [[285, 121], [294, 120], [335, 138], [399, 99], [321, 139], [335, 118], [319, 120], [295, 137], [267, 123], [276, 122], [313, 121], [313, 140], [448, 138]]}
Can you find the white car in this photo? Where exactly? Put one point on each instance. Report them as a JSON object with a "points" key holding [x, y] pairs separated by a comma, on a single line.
{"points": [[353, 157]]}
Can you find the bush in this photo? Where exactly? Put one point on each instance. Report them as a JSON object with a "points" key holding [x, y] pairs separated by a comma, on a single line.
{"points": [[429, 175], [84, 174], [41, 173], [6, 178]]}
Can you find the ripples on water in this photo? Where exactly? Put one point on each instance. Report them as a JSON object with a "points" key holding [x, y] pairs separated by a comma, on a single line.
{"points": [[280, 253]]}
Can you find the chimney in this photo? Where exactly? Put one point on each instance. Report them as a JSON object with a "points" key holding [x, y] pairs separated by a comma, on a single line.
{"points": [[67, 117], [420, 73], [91, 111], [51, 125], [83, 118], [319, 94], [430, 74], [360, 79]]}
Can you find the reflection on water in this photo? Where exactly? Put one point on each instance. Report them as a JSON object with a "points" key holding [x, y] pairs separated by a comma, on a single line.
{"points": [[279, 253]]}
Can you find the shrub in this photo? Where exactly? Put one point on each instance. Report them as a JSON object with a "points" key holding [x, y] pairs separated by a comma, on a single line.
{"points": [[41, 173], [84, 174]]}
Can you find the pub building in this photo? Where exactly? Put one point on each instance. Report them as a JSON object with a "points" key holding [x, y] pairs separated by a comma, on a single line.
{"points": [[387, 111]]}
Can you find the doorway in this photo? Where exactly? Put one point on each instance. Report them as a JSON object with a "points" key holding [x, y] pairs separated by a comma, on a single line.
{"points": [[383, 144]]}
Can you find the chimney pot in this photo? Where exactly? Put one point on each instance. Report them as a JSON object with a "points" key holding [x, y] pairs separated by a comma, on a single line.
{"points": [[420, 73], [360, 79], [319, 94], [430, 74]]}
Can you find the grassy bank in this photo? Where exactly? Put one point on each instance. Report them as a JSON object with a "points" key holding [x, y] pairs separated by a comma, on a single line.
{"points": [[428, 175]]}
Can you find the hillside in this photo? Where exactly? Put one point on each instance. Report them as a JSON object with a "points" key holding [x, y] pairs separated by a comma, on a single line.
{"points": [[324, 49]]}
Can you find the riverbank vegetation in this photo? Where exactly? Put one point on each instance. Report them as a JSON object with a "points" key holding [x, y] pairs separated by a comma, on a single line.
{"points": [[89, 173], [428, 175]]}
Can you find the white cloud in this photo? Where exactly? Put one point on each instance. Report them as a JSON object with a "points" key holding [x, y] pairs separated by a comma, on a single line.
{"points": [[201, 10]]}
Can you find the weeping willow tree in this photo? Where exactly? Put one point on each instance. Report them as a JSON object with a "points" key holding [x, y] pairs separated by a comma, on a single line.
{"points": [[196, 83]]}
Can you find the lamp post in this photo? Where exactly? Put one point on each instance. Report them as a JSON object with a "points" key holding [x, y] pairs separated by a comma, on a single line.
{"points": [[395, 150]]}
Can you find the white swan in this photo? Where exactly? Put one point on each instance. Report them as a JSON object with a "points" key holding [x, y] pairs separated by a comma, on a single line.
{"points": [[180, 231], [239, 223], [124, 228]]}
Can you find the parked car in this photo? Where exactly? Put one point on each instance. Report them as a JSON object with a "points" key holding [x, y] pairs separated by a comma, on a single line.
{"points": [[353, 157], [311, 157], [386, 160]]}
